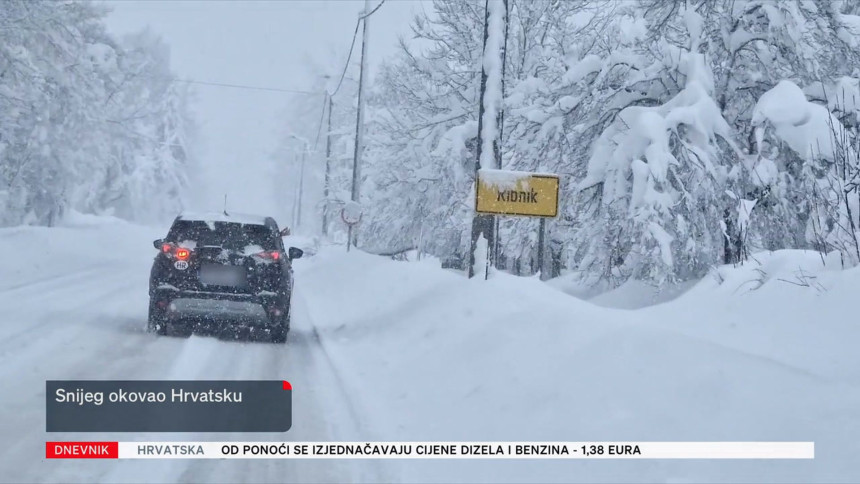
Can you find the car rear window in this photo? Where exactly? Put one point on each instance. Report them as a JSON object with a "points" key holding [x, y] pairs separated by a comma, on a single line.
{"points": [[225, 234]]}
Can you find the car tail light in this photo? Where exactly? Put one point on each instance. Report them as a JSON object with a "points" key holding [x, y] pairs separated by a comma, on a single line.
{"points": [[174, 252], [269, 254]]}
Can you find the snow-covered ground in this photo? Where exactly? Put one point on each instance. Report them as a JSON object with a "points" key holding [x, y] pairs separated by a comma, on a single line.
{"points": [[385, 350]]}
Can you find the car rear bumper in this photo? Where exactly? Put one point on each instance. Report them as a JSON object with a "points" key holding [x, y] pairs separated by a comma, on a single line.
{"points": [[219, 309]]}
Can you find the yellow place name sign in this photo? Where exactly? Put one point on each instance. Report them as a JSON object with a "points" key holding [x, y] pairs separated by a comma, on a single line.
{"points": [[504, 192]]}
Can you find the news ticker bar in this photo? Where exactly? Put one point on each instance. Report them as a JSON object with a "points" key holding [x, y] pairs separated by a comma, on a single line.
{"points": [[430, 450]]}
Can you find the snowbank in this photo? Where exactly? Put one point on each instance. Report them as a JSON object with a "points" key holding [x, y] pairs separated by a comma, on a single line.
{"points": [[428, 354], [787, 307], [82, 243]]}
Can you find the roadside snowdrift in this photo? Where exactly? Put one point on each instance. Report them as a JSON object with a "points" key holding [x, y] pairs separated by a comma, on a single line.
{"points": [[80, 243], [430, 355]]}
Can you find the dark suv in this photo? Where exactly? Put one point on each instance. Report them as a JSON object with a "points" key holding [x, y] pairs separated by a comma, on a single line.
{"points": [[220, 272]]}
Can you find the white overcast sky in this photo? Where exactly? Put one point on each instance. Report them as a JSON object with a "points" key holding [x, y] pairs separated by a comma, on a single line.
{"points": [[260, 43]]}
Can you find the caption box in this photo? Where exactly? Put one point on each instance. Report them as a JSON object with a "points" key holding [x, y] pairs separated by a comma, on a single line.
{"points": [[168, 406]]}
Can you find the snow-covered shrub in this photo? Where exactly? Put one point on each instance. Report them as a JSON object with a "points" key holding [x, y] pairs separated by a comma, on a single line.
{"points": [[828, 163]]}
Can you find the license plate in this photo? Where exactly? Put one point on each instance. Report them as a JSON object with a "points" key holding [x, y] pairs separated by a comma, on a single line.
{"points": [[220, 275]]}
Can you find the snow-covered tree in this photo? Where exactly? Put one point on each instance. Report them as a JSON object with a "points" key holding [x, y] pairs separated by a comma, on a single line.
{"points": [[87, 123], [655, 175], [305, 125], [422, 133], [658, 116]]}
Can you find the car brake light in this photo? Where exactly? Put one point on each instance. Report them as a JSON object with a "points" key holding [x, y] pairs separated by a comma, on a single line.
{"points": [[271, 254], [174, 252]]}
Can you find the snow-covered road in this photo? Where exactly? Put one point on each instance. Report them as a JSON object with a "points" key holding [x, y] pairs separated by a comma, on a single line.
{"points": [[78, 321]]}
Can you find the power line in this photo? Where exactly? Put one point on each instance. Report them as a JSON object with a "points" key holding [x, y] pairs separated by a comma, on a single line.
{"points": [[348, 57], [242, 86], [352, 45], [319, 128], [372, 11], [294, 91], [342, 75]]}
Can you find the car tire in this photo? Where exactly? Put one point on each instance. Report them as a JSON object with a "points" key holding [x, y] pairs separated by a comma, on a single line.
{"points": [[156, 322], [279, 335], [180, 330], [280, 332]]}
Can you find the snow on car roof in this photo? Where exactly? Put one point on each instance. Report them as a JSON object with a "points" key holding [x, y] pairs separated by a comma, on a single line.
{"points": [[241, 218]]}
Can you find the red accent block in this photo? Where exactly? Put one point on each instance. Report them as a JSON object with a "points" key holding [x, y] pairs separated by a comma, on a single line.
{"points": [[287, 385], [82, 450]]}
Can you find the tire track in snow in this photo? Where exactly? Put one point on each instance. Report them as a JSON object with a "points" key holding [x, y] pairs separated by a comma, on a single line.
{"points": [[52, 328], [59, 280], [299, 362], [319, 399], [338, 394], [66, 348], [14, 340]]}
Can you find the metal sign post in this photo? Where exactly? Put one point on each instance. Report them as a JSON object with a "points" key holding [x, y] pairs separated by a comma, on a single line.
{"points": [[351, 214]]}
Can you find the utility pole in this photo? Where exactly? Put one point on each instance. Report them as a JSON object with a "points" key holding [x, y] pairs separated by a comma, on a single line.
{"points": [[541, 250], [327, 168], [494, 262], [359, 123], [294, 214], [481, 224], [297, 205], [301, 187], [484, 226]]}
